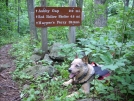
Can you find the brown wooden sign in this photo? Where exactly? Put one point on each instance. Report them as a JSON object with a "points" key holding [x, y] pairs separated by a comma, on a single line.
{"points": [[57, 16]]}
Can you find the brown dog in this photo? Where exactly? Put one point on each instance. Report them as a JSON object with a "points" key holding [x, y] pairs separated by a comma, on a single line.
{"points": [[80, 73]]}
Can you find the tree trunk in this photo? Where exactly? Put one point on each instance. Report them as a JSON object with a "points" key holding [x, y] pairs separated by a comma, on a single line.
{"points": [[7, 11], [79, 3], [7, 3], [33, 31], [133, 4], [100, 13], [124, 35], [126, 3], [18, 16]]}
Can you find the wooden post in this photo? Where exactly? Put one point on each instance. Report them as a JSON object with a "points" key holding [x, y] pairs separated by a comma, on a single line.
{"points": [[72, 32], [44, 32]]}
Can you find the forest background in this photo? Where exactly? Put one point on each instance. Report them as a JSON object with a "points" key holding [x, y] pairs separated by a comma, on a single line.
{"points": [[106, 35]]}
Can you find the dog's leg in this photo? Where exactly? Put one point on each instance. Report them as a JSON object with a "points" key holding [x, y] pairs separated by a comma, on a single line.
{"points": [[68, 82], [86, 88], [73, 94]]}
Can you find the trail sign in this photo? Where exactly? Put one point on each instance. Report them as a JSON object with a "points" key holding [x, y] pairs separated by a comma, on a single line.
{"points": [[57, 16]]}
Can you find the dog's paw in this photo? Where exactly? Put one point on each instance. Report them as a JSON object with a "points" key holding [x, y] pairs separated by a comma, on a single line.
{"points": [[73, 94], [65, 83]]}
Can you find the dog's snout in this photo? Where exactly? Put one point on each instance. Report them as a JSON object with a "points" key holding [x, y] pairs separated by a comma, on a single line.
{"points": [[69, 70]]}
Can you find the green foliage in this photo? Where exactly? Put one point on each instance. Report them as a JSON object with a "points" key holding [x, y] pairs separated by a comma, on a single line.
{"points": [[6, 18], [22, 51], [9, 21], [63, 70], [24, 24], [58, 34], [69, 51], [42, 87], [104, 48], [7, 25], [121, 84], [111, 46]]}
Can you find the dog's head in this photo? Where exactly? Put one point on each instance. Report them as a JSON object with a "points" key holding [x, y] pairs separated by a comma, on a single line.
{"points": [[77, 66]]}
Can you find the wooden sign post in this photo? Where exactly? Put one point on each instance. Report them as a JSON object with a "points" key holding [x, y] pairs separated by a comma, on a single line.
{"points": [[43, 31], [56, 16], [72, 29]]}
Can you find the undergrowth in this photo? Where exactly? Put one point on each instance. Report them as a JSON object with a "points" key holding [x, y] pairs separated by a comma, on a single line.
{"points": [[102, 47], [111, 46]]}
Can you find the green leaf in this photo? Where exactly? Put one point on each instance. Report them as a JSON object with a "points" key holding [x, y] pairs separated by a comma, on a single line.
{"points": [[107, 58], [132, 77], [118, 44], [131, 87], [123, 91], [128, 80], [102, 40], [111, 67], [131, 99], [119, 63], [87, 51], [131, 92], [122, 80]]}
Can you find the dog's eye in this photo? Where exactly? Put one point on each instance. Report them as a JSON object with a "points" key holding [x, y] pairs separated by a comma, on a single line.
{"points": [[77, 66]]}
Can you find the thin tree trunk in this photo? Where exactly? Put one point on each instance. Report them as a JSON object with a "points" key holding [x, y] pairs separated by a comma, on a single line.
{"points": [[18, 16], [80, 3], [7, 10], [126, 3], [133, 4], [7, 3], [100, 18], [33, 31]]}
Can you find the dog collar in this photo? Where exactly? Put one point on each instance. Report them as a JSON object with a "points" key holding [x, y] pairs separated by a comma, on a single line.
{"points": [[87, 79], [82, 77]]}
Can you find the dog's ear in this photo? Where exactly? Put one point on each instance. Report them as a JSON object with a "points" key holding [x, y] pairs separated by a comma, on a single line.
{"points": [[76, 56], [85, 59]]}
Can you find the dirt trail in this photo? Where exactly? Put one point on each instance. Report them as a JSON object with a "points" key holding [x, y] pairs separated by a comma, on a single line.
{"points": [[9, 90]]}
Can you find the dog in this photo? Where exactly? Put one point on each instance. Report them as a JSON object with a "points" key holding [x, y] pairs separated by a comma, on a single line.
{"points": [[81, 72]]}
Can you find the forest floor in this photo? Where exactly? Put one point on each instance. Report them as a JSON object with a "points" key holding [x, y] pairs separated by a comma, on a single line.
{"points": [[9, 89]]}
